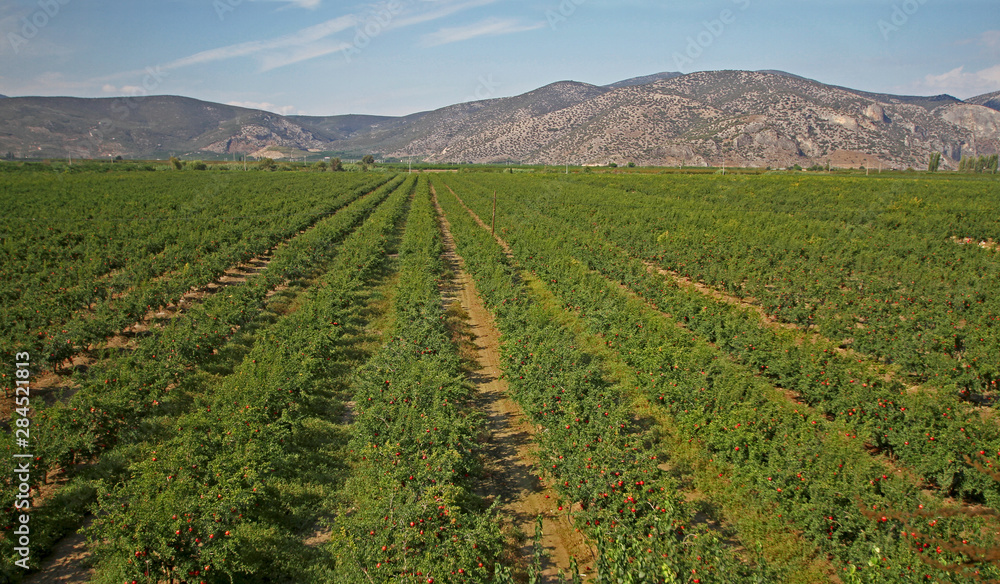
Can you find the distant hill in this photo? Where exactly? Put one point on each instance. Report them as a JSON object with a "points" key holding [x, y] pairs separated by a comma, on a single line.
{"points": [[146, 127], [764, 118], [752, 118], [644, 80], [3, 97], [990, 100]]}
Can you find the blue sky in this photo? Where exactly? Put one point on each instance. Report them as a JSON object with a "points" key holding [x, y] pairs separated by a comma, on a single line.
{"points": [[321, 57]]}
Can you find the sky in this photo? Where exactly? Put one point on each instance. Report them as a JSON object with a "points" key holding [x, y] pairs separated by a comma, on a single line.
{"points": [[396, 57]]}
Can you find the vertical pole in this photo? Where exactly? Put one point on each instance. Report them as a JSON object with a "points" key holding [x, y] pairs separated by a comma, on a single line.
{"points": [[493, 223]]}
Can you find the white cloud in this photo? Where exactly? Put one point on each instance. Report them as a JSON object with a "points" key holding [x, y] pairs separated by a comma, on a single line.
{"points": [[285, 110], [488, 27], [278, 51], [310, 4], [990, 39], [278, 59], [447, 9], [962, 84]]}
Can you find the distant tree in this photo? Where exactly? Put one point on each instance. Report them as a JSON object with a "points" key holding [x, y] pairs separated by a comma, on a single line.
{"points": [[935, 162], [267, 164], [612, 165], [980, 165], [336, 165], [176, 162], [992, 163], [119, 158], [368, 161], [631, 165], [320, 166], [199, 165]]}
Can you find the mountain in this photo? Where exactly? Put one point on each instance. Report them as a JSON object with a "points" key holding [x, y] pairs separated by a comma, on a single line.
{"points": [[750, 118], [644, 80], [156, 126], [990, 100], [435, 134], [763, 118], [3, 97]]}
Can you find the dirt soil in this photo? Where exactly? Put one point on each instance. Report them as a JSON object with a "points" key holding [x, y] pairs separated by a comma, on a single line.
{"points": [[509, 467], [65, 564]]}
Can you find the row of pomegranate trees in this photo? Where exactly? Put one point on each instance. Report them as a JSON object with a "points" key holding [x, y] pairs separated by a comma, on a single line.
{"points": [[607, 470], [79, 268], [874, 263], [131, 399], [409, 513], [814, 472], [932, 433], [229, 495]]}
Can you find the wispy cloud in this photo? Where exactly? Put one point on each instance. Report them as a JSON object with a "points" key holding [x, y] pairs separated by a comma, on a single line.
{"points": [[963, 84], [310, 4], [285, 110], [989, 39], [443, 10], [483, 28], [305, 44]]}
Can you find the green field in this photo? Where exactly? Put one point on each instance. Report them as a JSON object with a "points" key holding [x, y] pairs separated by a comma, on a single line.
{"points": [[254, 377]]}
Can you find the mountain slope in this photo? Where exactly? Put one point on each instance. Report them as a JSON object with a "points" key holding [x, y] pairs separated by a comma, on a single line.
{"points": [[990, 100], [437, 133], [751, 118], [149, 126], [764, 118], [644, 80]]}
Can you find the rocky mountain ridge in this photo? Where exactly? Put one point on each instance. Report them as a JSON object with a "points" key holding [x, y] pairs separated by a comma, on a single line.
{"points": [[747, 118]]}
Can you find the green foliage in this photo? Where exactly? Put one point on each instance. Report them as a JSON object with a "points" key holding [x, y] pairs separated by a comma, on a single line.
{"points": [[935, 162], [267, 164], [199, 165], [978, 165], [592, 452], [336, 165], [124, 401], [811, 464], [177, 164]]}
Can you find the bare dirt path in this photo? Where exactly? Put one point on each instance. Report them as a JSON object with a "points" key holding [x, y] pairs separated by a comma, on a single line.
{"points": [[509, 466], [66, 563]]}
